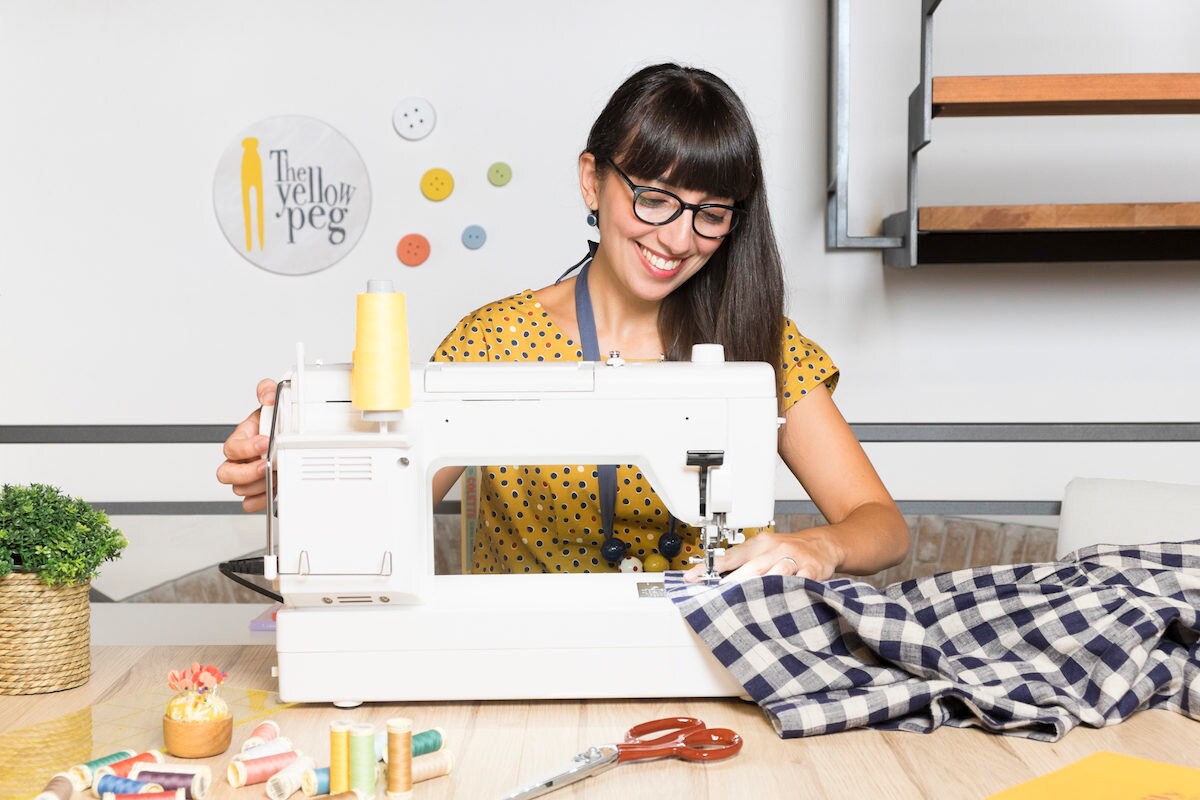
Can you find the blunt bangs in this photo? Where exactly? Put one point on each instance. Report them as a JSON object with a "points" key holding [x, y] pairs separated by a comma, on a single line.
{"points": [[694, 134]]}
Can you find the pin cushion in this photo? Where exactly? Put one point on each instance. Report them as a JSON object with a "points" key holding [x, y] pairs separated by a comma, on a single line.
{"points": [[197, 722]]}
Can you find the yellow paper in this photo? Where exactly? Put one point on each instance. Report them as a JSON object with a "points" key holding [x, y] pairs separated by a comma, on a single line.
{"points": [[1108, 776]]}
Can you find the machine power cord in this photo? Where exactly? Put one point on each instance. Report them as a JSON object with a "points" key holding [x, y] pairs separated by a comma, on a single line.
{"points": [[247, 566]]}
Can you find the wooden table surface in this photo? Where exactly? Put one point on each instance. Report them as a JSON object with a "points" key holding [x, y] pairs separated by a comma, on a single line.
{"points": [[500, 745]]}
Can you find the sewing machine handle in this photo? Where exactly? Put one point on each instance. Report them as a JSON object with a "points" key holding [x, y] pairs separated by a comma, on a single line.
{"points": [[270, 560]]}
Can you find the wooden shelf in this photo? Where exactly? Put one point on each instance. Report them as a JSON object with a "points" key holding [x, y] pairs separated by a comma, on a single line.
{"points": [[1083, 232], [1044, 95], [1088, 216]]}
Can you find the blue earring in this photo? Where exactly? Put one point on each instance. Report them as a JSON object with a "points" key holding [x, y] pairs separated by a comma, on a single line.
{"points": [[592, 219]]}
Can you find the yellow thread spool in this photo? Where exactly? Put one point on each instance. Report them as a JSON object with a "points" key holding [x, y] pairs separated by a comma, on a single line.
{"points": [[399, 766], [379, 379], [339, 756]]}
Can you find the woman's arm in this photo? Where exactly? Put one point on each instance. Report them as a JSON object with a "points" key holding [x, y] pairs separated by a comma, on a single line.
{"points": [[866, 532]]}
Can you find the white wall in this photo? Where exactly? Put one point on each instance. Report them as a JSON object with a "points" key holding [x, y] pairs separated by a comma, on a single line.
{"points": [[122, 303]]}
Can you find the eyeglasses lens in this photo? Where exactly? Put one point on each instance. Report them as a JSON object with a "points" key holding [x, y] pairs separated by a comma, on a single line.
{"points": [[658, 207]]}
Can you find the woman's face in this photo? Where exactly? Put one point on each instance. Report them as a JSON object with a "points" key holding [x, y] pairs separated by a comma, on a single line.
{"points": [[651, 261]]}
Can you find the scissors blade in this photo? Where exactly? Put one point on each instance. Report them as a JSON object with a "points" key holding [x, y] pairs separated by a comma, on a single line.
{"points": [[583, 765]]}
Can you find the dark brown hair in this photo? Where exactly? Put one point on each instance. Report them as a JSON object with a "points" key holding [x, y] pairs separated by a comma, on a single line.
{"points": [[689, 125]]}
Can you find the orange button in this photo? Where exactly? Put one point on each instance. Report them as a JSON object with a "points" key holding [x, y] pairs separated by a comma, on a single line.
{"points": [[412, 250]]}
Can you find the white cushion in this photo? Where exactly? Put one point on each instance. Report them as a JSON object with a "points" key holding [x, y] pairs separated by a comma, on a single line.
{"points": [[1107, 511]]}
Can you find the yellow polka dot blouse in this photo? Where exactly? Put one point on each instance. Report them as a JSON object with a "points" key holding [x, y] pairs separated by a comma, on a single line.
{"points": [[546, 518]]}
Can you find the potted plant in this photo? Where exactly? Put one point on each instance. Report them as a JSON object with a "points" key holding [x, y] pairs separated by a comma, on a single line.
{"points": [[51, 546]]}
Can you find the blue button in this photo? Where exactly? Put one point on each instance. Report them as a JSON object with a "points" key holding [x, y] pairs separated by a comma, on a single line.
{"points": [[473, 237]]}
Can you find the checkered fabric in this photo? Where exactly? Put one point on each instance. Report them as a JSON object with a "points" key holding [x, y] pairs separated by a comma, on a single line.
{"points": [[1030, 650]]}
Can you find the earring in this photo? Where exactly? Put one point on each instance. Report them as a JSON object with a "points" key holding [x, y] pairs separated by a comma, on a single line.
{"points": [[592, 219]]}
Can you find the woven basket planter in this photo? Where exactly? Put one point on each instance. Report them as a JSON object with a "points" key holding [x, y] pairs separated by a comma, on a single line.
{"points": [[45, 635]]}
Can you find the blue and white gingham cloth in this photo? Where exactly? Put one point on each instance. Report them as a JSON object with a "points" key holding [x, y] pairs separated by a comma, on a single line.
{"points": [[1030, 650]]}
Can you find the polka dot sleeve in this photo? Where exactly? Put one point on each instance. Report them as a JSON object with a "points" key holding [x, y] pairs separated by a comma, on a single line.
{"points": [[805, 366]]}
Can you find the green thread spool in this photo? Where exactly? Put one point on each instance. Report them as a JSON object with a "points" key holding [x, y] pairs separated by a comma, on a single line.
{"points": [[362, 758], [429, 741]]}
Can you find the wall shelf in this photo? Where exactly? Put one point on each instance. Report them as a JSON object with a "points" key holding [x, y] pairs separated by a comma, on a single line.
{"points": [[1044, 95], [1011, 233]]}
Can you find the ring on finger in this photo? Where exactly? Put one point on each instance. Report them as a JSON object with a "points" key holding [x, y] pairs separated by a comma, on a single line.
{"points": [[795, 564]]}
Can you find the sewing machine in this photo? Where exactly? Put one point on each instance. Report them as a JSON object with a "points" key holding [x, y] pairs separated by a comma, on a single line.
{"points": [[350, 530]]}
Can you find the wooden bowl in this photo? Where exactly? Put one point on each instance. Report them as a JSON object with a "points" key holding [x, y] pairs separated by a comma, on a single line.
{"points": [[197, 739]]}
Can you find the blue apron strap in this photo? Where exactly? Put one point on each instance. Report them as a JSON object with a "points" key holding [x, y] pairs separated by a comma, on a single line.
{"points": [[591, 352]]}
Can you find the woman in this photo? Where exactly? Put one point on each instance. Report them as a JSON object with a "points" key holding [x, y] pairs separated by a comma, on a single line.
{"points": [[672, 177]]}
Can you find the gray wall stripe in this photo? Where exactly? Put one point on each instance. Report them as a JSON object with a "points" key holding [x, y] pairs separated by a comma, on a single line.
{"points": [[945, 507], [866, 432]]}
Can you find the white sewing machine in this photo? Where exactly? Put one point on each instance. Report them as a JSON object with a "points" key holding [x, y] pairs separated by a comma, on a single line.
{"points": [[350, 534]]}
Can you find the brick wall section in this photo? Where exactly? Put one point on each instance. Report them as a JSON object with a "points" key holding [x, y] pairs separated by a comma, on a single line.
{"points": [[942, 544]]}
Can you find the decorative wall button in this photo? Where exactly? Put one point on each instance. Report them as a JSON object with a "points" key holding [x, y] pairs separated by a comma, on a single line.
{"points": [[437, 184], [414, 118]]}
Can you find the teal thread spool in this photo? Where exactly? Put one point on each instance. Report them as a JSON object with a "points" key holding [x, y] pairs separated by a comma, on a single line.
{"points": [[362, 758], [81, 774], [429, 741]]}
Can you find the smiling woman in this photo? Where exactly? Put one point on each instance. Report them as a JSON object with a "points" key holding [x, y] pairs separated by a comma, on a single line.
{"points": [[672, 177]]}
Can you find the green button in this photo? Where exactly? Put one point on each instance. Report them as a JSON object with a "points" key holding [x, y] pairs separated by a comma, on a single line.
{"points": [[499, 174]]}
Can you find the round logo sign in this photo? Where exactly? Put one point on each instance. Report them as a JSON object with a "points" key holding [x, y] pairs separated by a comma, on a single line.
{"points": [[292, 195]]}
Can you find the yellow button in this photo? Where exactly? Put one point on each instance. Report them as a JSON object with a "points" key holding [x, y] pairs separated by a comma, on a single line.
{"points": [[437, 184]]}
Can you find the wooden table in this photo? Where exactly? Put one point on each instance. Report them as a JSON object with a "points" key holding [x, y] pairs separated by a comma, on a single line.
{"points": [[500, 745]]}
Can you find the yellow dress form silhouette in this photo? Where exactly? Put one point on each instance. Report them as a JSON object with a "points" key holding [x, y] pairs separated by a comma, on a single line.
{"points": [[252, 177]]}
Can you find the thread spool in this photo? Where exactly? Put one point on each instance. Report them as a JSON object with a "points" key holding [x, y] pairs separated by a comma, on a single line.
{"points": [[60, 787], [399, 769], [432, 765], [315, 782], [362, 758], [429, 741], [351, 794], [115, 784], [122, 768], [175, 795], [193, 780], [272, 748], [379, 377], [257, 770], [286, 782], [263, 732], [81, 775], [339, 756]]}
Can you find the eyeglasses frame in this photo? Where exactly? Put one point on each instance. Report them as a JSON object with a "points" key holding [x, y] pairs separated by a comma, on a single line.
{"points": [[639, 190]]}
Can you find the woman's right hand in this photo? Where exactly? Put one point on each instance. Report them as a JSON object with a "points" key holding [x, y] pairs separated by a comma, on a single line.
{"points": [[244, 469]]}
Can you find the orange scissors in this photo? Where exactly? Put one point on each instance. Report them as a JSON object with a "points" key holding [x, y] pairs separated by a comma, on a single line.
{"points": [[683, 737]]}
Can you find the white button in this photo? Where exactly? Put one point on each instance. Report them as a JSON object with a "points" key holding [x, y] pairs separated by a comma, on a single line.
{"points": [[414, 118]]}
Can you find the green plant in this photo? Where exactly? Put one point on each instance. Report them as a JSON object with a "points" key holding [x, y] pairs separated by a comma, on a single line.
{"points": [[60, 539]]}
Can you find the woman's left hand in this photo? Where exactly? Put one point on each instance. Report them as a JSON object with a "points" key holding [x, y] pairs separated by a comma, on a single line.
{"points": [[812, 553]]}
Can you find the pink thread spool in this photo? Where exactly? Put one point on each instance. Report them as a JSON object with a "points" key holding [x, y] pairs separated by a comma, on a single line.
{"points": [[264, 732], [257, 770]]}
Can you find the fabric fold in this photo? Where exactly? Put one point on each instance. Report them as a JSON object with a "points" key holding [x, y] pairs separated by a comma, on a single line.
{"points": [[1029, 650]]}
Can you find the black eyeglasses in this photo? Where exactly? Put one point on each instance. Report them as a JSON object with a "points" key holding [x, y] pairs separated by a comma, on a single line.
{"points": [[659, 207]]}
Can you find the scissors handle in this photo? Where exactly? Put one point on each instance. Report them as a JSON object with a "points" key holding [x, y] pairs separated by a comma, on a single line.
{"points": [[684, 737], [672, 728]]}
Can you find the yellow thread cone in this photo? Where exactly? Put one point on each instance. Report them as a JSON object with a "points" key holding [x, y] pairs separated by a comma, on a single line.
{"points": [[379, 379]]}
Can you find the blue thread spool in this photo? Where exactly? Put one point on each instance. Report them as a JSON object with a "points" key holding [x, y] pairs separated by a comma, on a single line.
{"points": [[118, 785]]}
